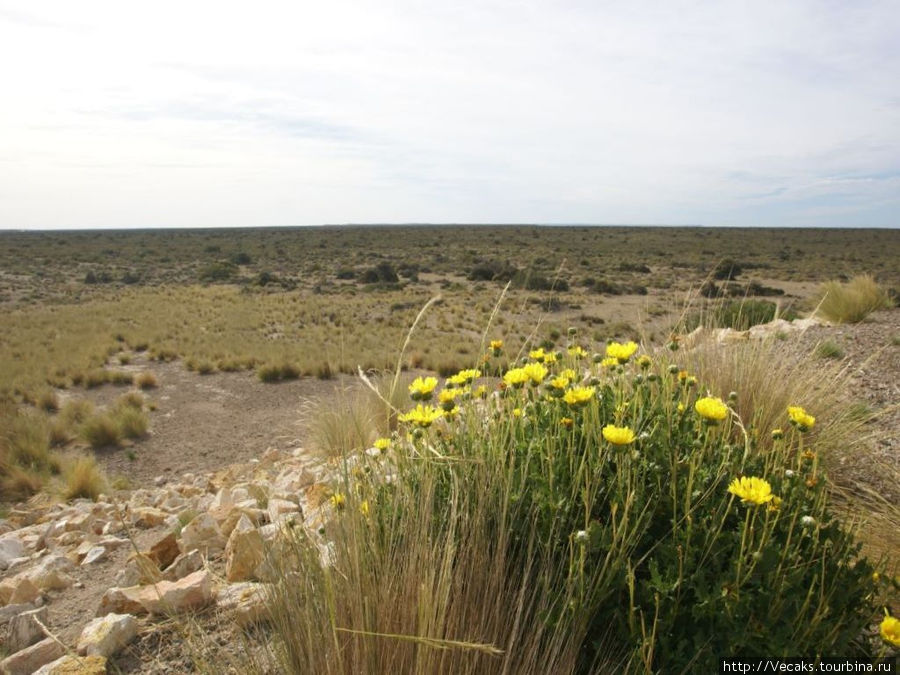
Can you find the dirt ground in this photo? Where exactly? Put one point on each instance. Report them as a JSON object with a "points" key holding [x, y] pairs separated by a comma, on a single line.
{"points": [[205, 422]]}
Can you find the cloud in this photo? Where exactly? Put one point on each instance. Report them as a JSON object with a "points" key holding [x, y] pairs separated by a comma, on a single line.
{"points": [[716, 113]]}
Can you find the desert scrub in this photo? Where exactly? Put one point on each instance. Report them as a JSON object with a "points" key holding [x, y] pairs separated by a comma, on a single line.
{"points": [[146, 380], [829, 350], [100, 430], [82, 478], [641, 526], [131, 422], [851, 302], [271, 372]]}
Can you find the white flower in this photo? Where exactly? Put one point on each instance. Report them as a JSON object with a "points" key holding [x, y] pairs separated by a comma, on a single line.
{"points": [[808, 520], [788, 473], [581, 536]]}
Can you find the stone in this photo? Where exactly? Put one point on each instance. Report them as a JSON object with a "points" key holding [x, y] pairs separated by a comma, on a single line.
{"points": [[28, 660], [192, 592], [24, 629], [164, 551], [203, 534], [245, 602], [244, 552], [74, 665], [183, 565], [24, 592], [95, 554], [147, 517], [278, 508], [11, 548], [9, 612], [52, 573], [121, 601], [107, 635], [138, 569]]}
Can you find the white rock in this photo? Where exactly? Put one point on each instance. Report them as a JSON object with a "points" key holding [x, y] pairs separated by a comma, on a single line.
{"points": [[244, 551], [107, 635], [96, 554], [246, 602], [11, 548], [52, 573], [31, 658], [184, 564], [202, 533], [24, 631]]}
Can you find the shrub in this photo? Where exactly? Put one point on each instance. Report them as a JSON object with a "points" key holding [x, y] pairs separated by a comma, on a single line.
{"points": [[383, 272], [131, 422], [218, 271], [133, 399], [76, 410], [100, 431], [48, 401], [527, 526], [146, 380], [851, 302], [829, 350], [726, 269], [82, 478], [272, 372]]}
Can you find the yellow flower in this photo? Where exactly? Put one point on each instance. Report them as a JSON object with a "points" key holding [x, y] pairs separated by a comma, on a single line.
{"points": [[644, 361], [448, 397], [559, 382], [364, 507], [775, 504], [421, 388], [422, 415], [463, 377], [890, 630], [681, 407], [496, 345], [536, 372], [569, 374], [618, 435], [481, 392], [516, 377], [801, 418], [682, 375], [338, 501], [549, 357], [621, 352], [577, 397], [517, 412], [609, 362], [567, 422], [751, 490], [382, 444], [577, 352], [537, 354], [711, 408]]}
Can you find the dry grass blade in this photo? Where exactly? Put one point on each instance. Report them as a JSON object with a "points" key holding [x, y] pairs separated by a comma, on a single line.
{"points": [[434, 643]]}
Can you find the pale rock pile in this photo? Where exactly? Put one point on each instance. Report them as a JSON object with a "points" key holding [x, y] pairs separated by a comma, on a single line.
{"points": [[218, 543], [701, 334]]}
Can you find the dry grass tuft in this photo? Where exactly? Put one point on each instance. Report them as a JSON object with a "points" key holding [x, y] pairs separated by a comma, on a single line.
{"points": [[851, 302], [82, 478], [146, 380], [101, 431]]}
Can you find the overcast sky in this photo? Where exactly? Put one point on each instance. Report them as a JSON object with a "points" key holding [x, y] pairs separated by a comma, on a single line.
{"points": [[190, 113]]}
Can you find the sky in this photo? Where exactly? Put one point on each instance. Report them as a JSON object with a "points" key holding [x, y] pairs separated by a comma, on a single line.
{"points": [[218, 114]]}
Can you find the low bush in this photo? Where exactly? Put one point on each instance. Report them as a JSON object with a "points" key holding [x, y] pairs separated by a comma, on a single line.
{"points": [[276, 372], [146, 380], [131, 422], [621, 521], [82, 478], [100, 431], [851, 302]]}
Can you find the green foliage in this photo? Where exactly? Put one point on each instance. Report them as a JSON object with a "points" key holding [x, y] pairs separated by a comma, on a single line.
{"points": [[218, 272], [829, 350], [639, 549]]}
